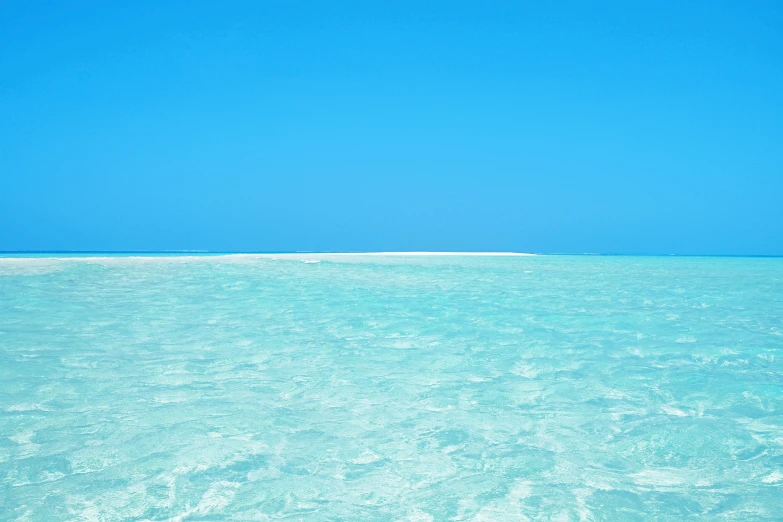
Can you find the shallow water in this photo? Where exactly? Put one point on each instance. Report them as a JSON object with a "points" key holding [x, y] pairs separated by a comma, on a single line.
{"points": [[549, 388]]}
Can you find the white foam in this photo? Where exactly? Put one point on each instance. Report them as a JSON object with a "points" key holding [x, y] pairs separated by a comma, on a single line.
{"points": [[670, 410], [658, 477]]}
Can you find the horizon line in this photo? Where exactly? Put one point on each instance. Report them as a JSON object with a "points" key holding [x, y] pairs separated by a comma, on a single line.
{"points": [[367, 253]]}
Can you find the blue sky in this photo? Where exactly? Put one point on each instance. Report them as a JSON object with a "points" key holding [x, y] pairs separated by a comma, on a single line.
{"points": [[332, 126]]}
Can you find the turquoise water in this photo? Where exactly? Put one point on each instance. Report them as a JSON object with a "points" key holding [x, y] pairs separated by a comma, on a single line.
{"points": [[454, 388]]}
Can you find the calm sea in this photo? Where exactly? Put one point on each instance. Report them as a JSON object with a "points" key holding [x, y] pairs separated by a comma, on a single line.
{"points": [[391, 388]]}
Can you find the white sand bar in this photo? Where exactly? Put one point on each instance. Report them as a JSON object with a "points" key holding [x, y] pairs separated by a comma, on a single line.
{"points": [[54, 262], [289, 255], [313, 256], [493, 254]]}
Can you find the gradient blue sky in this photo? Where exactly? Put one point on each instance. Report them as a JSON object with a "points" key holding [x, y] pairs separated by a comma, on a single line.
{"points": [[613, 127]]}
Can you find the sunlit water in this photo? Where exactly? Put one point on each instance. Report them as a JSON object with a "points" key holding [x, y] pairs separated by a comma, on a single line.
{"points": [[549, 388]]}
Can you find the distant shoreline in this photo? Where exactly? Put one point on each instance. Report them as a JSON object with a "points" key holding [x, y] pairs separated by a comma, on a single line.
{"points": [[182, 254], [492, 254], [96, 256]]}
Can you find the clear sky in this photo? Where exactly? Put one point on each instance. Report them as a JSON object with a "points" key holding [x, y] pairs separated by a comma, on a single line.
{"points": [[613, 127]]}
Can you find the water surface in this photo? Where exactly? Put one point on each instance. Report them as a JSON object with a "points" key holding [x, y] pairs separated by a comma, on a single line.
{"points": [[459, 388]]}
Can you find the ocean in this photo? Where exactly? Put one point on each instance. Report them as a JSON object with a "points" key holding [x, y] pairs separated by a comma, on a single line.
{"points": [[383, 388]]}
